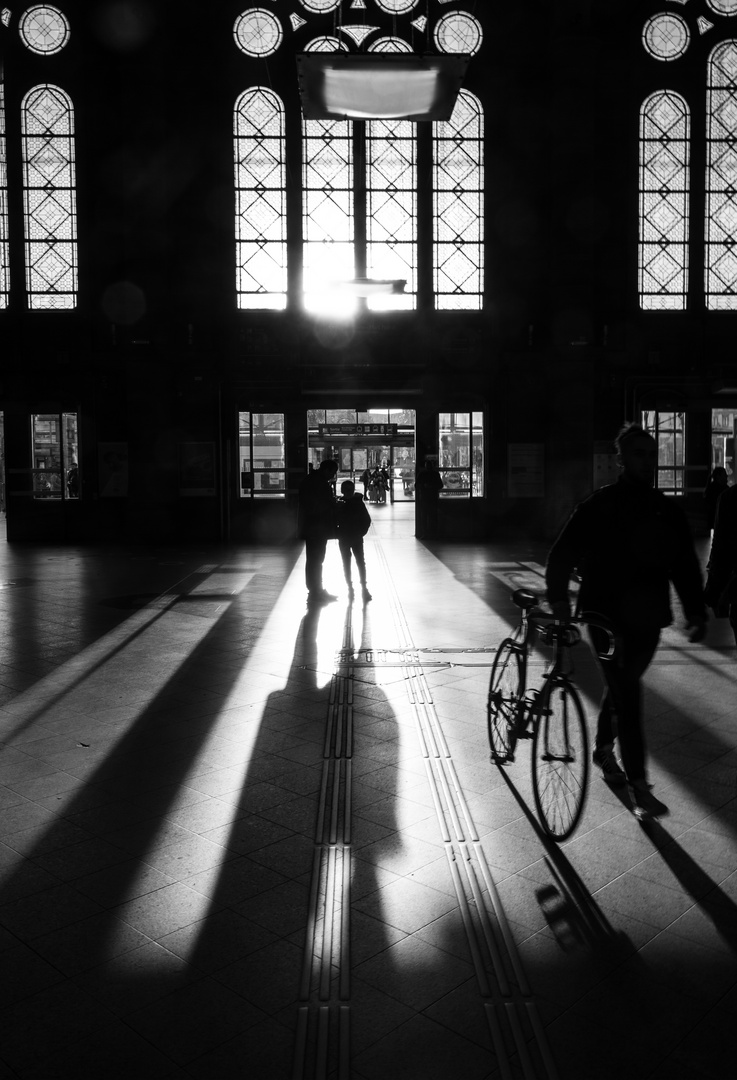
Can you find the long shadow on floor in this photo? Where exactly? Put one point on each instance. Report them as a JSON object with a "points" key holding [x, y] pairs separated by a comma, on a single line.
{"points": [[92, 896]]}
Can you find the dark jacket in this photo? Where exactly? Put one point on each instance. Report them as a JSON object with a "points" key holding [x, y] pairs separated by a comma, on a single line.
{"points": [[428, 483], [712, 493], [723, 555], [354, 520], [316, 520], [628, 542]]}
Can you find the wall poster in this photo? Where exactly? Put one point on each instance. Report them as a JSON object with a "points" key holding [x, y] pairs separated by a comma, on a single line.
{"points": [[526, 470], [112, 470], [197, 468]]}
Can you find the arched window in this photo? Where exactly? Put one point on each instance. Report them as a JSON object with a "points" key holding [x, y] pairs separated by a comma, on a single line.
{"points": [[391, 209], [49, 192], [327, 213], [458, 195], [4, 221], [260, 188], [664, 196], [720, 280]]}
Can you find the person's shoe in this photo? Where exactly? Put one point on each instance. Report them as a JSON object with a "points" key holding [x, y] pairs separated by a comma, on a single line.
{"points": [[320, 596], [646, 805], [351, 592], [366, 595], [611, 770]]}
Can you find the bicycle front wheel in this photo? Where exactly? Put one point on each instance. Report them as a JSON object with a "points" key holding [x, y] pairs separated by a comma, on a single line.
{"points": [[506, 687], [560, 759]]}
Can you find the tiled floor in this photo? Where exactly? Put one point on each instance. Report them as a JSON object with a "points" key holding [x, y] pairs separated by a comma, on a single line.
{"points": [[239, 840]]}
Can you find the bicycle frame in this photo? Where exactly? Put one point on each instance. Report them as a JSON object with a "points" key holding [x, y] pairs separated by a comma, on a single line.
{"points": [[552, 714]]}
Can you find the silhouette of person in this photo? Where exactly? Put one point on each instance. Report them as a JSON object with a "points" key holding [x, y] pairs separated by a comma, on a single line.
{"points": [[428, 485], [717, 483], [354, 521], [721, 584], [628, 542], [317, 525], [73, 481]]}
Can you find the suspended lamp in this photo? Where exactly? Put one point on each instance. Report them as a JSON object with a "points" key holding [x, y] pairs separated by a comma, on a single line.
{"points": [[379, 86]]}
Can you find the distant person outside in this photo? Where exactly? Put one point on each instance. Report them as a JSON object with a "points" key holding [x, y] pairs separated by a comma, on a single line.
{"points": [[628, 542], [354, 521], [317, 525], [428, 485]]}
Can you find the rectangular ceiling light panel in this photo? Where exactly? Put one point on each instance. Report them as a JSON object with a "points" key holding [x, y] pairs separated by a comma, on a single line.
{"points": [[379, 86]]}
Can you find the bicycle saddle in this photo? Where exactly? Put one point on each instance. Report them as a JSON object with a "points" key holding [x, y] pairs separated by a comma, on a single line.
{"points": [[524, 599]]}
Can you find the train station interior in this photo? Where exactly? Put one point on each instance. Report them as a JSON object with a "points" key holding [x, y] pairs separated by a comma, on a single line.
{"points": [[243, 836]]}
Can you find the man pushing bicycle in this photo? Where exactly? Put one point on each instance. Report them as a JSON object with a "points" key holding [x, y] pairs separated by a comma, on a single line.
{"points": [[628, 542]]}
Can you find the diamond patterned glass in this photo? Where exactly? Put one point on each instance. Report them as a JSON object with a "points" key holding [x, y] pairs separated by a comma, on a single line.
{"points": [[49, 189], [721, 179], [327, 211], [458, 187], [260, 200], [664, 197], [391, 209]]}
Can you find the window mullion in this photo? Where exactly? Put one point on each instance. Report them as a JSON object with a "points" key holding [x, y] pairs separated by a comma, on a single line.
{"points": [[425, 298], [360, 203]]}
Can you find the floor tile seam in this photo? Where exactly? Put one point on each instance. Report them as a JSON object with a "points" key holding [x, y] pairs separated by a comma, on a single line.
{"points": [[506, 945], [655, 885]]}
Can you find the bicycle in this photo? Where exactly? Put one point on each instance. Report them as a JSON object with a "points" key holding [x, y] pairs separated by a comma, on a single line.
{"points": [[552, 715]]}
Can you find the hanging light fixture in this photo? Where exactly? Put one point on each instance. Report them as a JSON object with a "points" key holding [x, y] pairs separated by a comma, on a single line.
{"points": [[379, 85]]}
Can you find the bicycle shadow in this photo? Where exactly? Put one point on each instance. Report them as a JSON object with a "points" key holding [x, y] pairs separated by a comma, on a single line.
{"points": [[570, 911]]}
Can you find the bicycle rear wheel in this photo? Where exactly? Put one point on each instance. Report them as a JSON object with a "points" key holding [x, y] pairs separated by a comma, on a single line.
{"points": [[506, 687], [560, 759]]}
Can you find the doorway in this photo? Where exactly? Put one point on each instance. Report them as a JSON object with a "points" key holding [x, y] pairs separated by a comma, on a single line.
{"points": [[375, 448]]}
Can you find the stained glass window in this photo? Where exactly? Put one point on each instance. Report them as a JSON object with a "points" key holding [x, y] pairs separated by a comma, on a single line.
{"points": [[390, 44], [458, 32], [49, 190], [258, 32], [721, 178], [666, 37], [664, 198], [261, 212], [328, 214], [458, 190], [326, 43], [396, 7], [391, 209], [319, 6], [723, 7], [4, 221], [44, 29]]}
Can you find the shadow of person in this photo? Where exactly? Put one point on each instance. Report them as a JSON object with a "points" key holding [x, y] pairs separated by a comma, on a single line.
{"points": [[715, 912], [280, 931], [103, 901]]}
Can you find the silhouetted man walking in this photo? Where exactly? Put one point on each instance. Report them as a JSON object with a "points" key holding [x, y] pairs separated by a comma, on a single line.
{"points": [[628, 542]]}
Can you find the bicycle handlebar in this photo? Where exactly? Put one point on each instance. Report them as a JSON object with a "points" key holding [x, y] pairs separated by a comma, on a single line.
{"points": [[600, 622]]}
